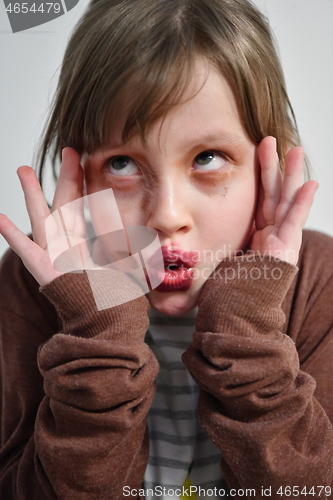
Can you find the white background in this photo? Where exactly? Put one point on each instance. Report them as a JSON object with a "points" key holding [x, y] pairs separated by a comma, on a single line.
{"points": [[30, 61]]}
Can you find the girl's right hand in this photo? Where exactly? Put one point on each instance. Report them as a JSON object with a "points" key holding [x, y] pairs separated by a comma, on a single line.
{"points": [[35, 254]]}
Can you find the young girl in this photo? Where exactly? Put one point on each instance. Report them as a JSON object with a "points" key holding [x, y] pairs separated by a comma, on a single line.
{"points": [[181, 109]]}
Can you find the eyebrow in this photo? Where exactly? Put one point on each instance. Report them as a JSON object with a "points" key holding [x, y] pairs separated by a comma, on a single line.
{"points": [[211, 137], [217, 136]]}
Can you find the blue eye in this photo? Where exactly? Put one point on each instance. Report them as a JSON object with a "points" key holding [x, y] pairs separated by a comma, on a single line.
{"points": [[122, 165], [210, 160]]}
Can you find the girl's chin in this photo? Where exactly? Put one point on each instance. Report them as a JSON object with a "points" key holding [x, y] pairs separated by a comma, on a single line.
{"points": [[173, 303]]}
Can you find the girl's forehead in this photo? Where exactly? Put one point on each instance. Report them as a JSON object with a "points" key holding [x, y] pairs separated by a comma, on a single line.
{"points": [[208, 109]]}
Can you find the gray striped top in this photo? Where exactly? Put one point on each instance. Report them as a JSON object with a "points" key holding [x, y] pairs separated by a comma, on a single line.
{"points": [[178, 445]]}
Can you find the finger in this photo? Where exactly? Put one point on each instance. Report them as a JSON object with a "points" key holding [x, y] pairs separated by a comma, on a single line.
{"points": [[68, 198], [30, 252], [293, 180], [260, 220], [37, 207], [271, 178], [70, 182], [299, 212]]}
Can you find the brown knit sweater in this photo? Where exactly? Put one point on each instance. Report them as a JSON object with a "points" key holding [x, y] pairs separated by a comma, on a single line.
{"points": [[74, 404]]}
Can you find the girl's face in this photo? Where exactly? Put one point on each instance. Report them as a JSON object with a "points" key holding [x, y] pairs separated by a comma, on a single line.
{"points": [[195, 183]]}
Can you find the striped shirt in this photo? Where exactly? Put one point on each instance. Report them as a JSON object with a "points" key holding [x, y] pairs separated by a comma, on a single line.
{"points": [[178, 445]]}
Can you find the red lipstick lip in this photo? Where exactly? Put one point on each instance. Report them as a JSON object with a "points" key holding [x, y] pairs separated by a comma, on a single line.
{"points": [[179, 279], [183, 258]]}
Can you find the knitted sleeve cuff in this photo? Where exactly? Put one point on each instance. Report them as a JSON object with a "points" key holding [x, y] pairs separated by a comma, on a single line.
{"points": [[103, 303], [244, 295]]}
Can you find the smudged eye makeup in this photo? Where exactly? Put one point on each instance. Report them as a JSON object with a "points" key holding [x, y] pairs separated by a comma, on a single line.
{"points": [[122, 165]]}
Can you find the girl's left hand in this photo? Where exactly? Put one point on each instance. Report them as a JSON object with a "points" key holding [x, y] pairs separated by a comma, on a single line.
{"points": [[284, 203]]}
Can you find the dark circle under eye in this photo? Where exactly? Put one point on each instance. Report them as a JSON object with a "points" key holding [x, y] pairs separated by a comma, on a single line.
{"points": [[205, 157], [119, 162]]}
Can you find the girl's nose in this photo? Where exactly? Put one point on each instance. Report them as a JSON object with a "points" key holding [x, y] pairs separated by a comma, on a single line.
{"points": [[169, 211]]}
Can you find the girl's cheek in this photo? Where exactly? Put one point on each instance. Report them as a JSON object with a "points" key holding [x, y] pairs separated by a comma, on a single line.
{"points": [[129, 203]]}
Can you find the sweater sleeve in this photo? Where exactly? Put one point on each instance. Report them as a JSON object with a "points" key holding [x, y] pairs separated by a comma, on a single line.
{"points": [[256, 403], [79, 426]]}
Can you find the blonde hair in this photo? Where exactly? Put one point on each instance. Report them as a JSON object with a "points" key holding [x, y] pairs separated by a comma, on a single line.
{"points": [[138, 56]]}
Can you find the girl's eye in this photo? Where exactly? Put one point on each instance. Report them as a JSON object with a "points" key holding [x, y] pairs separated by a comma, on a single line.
{"points": [[122, 166], [209, 160]]}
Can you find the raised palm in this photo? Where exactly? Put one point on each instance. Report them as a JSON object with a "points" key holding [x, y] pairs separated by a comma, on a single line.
{"points": [[284, 203]]}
